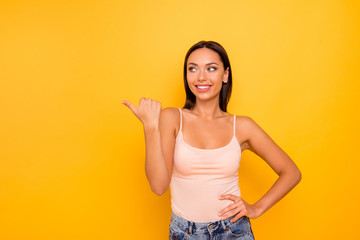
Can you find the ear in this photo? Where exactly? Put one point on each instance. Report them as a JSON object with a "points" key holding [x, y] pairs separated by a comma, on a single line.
{"points": [[226, 75]]}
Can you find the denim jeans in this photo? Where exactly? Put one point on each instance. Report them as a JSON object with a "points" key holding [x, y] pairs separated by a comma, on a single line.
{"points": [[223, 229]]}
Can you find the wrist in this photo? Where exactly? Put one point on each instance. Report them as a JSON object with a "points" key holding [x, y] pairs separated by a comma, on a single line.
{"points": [[260, 210], [151, 127]]}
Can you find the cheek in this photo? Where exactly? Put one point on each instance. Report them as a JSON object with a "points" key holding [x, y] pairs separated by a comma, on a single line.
{"points": [[189, 82], [218, 78], [191, 78]]}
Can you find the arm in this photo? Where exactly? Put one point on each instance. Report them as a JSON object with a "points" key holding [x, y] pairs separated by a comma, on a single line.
{"points": [[159, 141], [160, 144], [289, 174]]}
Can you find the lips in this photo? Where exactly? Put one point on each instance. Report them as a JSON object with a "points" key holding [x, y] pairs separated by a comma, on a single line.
{"points": [[203, 88]]}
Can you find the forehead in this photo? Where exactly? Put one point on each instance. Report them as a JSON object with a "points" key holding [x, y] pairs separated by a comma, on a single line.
{"points": [[204, 55]]}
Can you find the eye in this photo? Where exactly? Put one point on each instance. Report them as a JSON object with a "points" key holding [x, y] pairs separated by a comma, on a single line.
{"points": [[192, 69], [211, 69]]}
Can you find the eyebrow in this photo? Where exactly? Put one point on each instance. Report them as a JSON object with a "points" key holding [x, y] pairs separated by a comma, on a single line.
{"points": [[211, 63]]}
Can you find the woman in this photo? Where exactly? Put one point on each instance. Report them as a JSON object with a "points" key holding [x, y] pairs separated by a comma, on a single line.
{"points": [[196, 151]]}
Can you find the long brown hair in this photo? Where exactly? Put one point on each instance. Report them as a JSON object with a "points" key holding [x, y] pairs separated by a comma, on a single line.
{"points": [[226, 88]]}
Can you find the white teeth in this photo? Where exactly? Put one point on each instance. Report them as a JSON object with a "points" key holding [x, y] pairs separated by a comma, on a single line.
{"points": [[203, 87]]}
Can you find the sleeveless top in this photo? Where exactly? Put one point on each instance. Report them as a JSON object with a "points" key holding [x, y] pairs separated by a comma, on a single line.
{"points": [[200, 176]]}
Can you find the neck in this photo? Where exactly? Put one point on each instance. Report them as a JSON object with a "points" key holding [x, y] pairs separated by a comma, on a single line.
{"points": [[208, 109]]}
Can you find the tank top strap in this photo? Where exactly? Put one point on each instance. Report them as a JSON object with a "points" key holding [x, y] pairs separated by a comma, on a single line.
{"points": [[180, 119], [234, 123]]}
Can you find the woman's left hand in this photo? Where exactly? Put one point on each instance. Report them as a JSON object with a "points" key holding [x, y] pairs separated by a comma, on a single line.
{"points": [[239, 208]]}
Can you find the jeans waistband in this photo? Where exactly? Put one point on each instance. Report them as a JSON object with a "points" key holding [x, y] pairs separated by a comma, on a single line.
{"points": [[199, 226]]}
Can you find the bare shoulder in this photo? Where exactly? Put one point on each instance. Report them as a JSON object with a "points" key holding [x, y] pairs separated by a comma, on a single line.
{"points": [[170, 113], [244, 122], [170, 119], [245, 127]]}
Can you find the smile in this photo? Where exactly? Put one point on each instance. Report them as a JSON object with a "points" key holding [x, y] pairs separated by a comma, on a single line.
{"points": [[203, 88]]}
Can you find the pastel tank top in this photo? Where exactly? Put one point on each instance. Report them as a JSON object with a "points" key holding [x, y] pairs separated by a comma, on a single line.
{"points": [[200, 176]]}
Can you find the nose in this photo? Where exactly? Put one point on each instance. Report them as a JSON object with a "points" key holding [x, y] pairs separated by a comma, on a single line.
{"points": [[202, 75]]}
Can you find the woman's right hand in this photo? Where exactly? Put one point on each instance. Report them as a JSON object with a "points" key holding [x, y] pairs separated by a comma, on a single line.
{"points": [[148, 111]]}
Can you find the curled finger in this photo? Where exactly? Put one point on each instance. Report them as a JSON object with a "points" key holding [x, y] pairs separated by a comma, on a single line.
{"points": [[230, 214], [226, 210]]}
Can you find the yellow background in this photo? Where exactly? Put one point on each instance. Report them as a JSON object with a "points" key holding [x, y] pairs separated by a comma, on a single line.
{"points": [[72, 156]]}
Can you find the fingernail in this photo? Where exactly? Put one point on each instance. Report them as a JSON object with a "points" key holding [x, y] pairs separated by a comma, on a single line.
{"points": [[122, 102]]}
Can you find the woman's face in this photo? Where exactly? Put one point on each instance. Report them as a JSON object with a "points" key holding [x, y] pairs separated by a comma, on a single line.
{"points": [[205, 73]]}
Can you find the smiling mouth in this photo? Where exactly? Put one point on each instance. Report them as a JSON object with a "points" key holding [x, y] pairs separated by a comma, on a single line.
{"points": [[203, 86]]}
